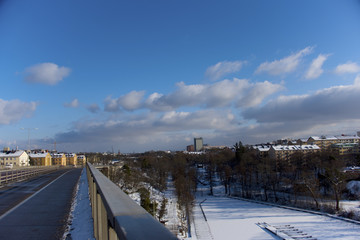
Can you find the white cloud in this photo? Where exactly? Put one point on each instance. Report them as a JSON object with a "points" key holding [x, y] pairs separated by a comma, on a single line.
{"points": [[315, 69], [285, 65], [221, 69], [46, 73], [240, 92], [349, 67], [131, 101], [15, 110], [73, 104]]}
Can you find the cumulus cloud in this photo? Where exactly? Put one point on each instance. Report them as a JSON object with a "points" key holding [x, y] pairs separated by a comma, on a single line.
{"points": [[240, 92], [94, 108], [15, 110], [285, 65], [349, 67], [131, 101], [221, 69], [73, 104], [46, 73], [315, 69]]}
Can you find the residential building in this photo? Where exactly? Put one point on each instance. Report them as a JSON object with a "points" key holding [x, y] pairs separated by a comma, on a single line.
{"points": [[81, 159], [346, 148], [71, 159], [190, 148], [58, 159], [284, 152], [198, 144], [325, 142], [262, 150], [40, 159], [14, 158]]}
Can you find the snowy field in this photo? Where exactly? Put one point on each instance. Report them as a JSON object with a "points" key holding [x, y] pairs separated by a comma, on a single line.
{"points": [[236, 219]]}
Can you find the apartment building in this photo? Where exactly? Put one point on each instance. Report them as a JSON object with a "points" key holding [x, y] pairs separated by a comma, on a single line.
{"points": [[326, 142], [71, 159], [262, 150], [284, 152], [58, 159], [40, 159], [81, 159], [346, 148], [14, 158]]}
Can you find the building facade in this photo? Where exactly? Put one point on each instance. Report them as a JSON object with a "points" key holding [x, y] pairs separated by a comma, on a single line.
{"points": [[198, 144], [71, 159], [58, 159], [40, 159], [14, 158]]}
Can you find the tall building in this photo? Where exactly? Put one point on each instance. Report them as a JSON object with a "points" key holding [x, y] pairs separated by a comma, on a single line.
{"points": [[198, 144]]}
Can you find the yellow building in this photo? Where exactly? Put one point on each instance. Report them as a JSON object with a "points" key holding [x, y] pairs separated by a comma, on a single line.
{"points": [[346, 148], [40, 159], [81, 159], [58, 159], [71, 159], [325, 142]]}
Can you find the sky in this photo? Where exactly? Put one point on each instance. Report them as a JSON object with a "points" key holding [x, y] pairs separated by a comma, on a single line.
{"points": [[135, 76]]}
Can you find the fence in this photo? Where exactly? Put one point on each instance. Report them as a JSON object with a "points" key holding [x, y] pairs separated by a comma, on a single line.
{"points": [[116, 215], [14, 175]]}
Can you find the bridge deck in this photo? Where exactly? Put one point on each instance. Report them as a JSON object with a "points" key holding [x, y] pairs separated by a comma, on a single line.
{"points": [[44, 214]]}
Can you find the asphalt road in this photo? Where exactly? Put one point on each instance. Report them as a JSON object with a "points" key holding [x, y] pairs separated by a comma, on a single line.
{"points": [[39, 208]]}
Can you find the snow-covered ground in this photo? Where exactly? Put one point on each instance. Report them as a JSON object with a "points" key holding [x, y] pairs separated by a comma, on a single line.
{"points": [[236, 219], [81, 219], [171, 216]]}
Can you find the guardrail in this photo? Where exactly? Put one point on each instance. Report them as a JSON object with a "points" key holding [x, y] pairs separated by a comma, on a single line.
{"points": [[13, 175], [116, 215]]}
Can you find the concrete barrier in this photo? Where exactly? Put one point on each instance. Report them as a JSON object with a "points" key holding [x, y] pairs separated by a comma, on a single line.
{"points": [[116, 215]]}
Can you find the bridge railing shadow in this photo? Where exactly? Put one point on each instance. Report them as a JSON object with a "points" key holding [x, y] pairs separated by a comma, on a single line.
{"points": [[116, 215]]}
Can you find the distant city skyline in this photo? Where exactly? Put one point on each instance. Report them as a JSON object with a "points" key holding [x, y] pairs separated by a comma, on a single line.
{"points": [[139, 76]]}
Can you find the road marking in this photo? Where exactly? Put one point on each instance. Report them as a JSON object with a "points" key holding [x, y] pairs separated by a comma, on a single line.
{"points": [[20, 204]]}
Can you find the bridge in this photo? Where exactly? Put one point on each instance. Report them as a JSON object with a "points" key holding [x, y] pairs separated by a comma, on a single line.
{"points": [[35, 204]]}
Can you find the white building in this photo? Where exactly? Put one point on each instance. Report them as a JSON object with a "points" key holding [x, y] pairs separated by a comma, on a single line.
{"points": [[14, 158]]}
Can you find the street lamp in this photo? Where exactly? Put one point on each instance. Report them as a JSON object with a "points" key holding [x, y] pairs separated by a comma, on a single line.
{"points": [[29, 129]]}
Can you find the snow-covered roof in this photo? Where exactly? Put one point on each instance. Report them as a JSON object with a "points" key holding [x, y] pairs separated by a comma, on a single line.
{"points": [[262, 148], [16, 153], [345, 137], [70, 154], [295, 147], [322, 138], [38, 155], [57, 155]]}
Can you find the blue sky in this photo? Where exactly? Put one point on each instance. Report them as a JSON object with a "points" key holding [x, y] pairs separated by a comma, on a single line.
{"points": [[152, 75]]}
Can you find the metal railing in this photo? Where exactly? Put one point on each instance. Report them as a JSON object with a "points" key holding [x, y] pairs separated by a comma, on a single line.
{"points": [[14, 175], [116, 215]]}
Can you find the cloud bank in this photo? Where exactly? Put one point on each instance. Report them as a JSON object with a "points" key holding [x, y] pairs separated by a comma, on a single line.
{"points": [[236, 92]]}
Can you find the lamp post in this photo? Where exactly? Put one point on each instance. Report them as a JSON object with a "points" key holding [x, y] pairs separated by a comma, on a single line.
{"points": [[29, 129]]}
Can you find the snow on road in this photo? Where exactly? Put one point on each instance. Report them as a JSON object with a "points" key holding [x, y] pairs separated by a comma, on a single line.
{"points": [[236, 219]]}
